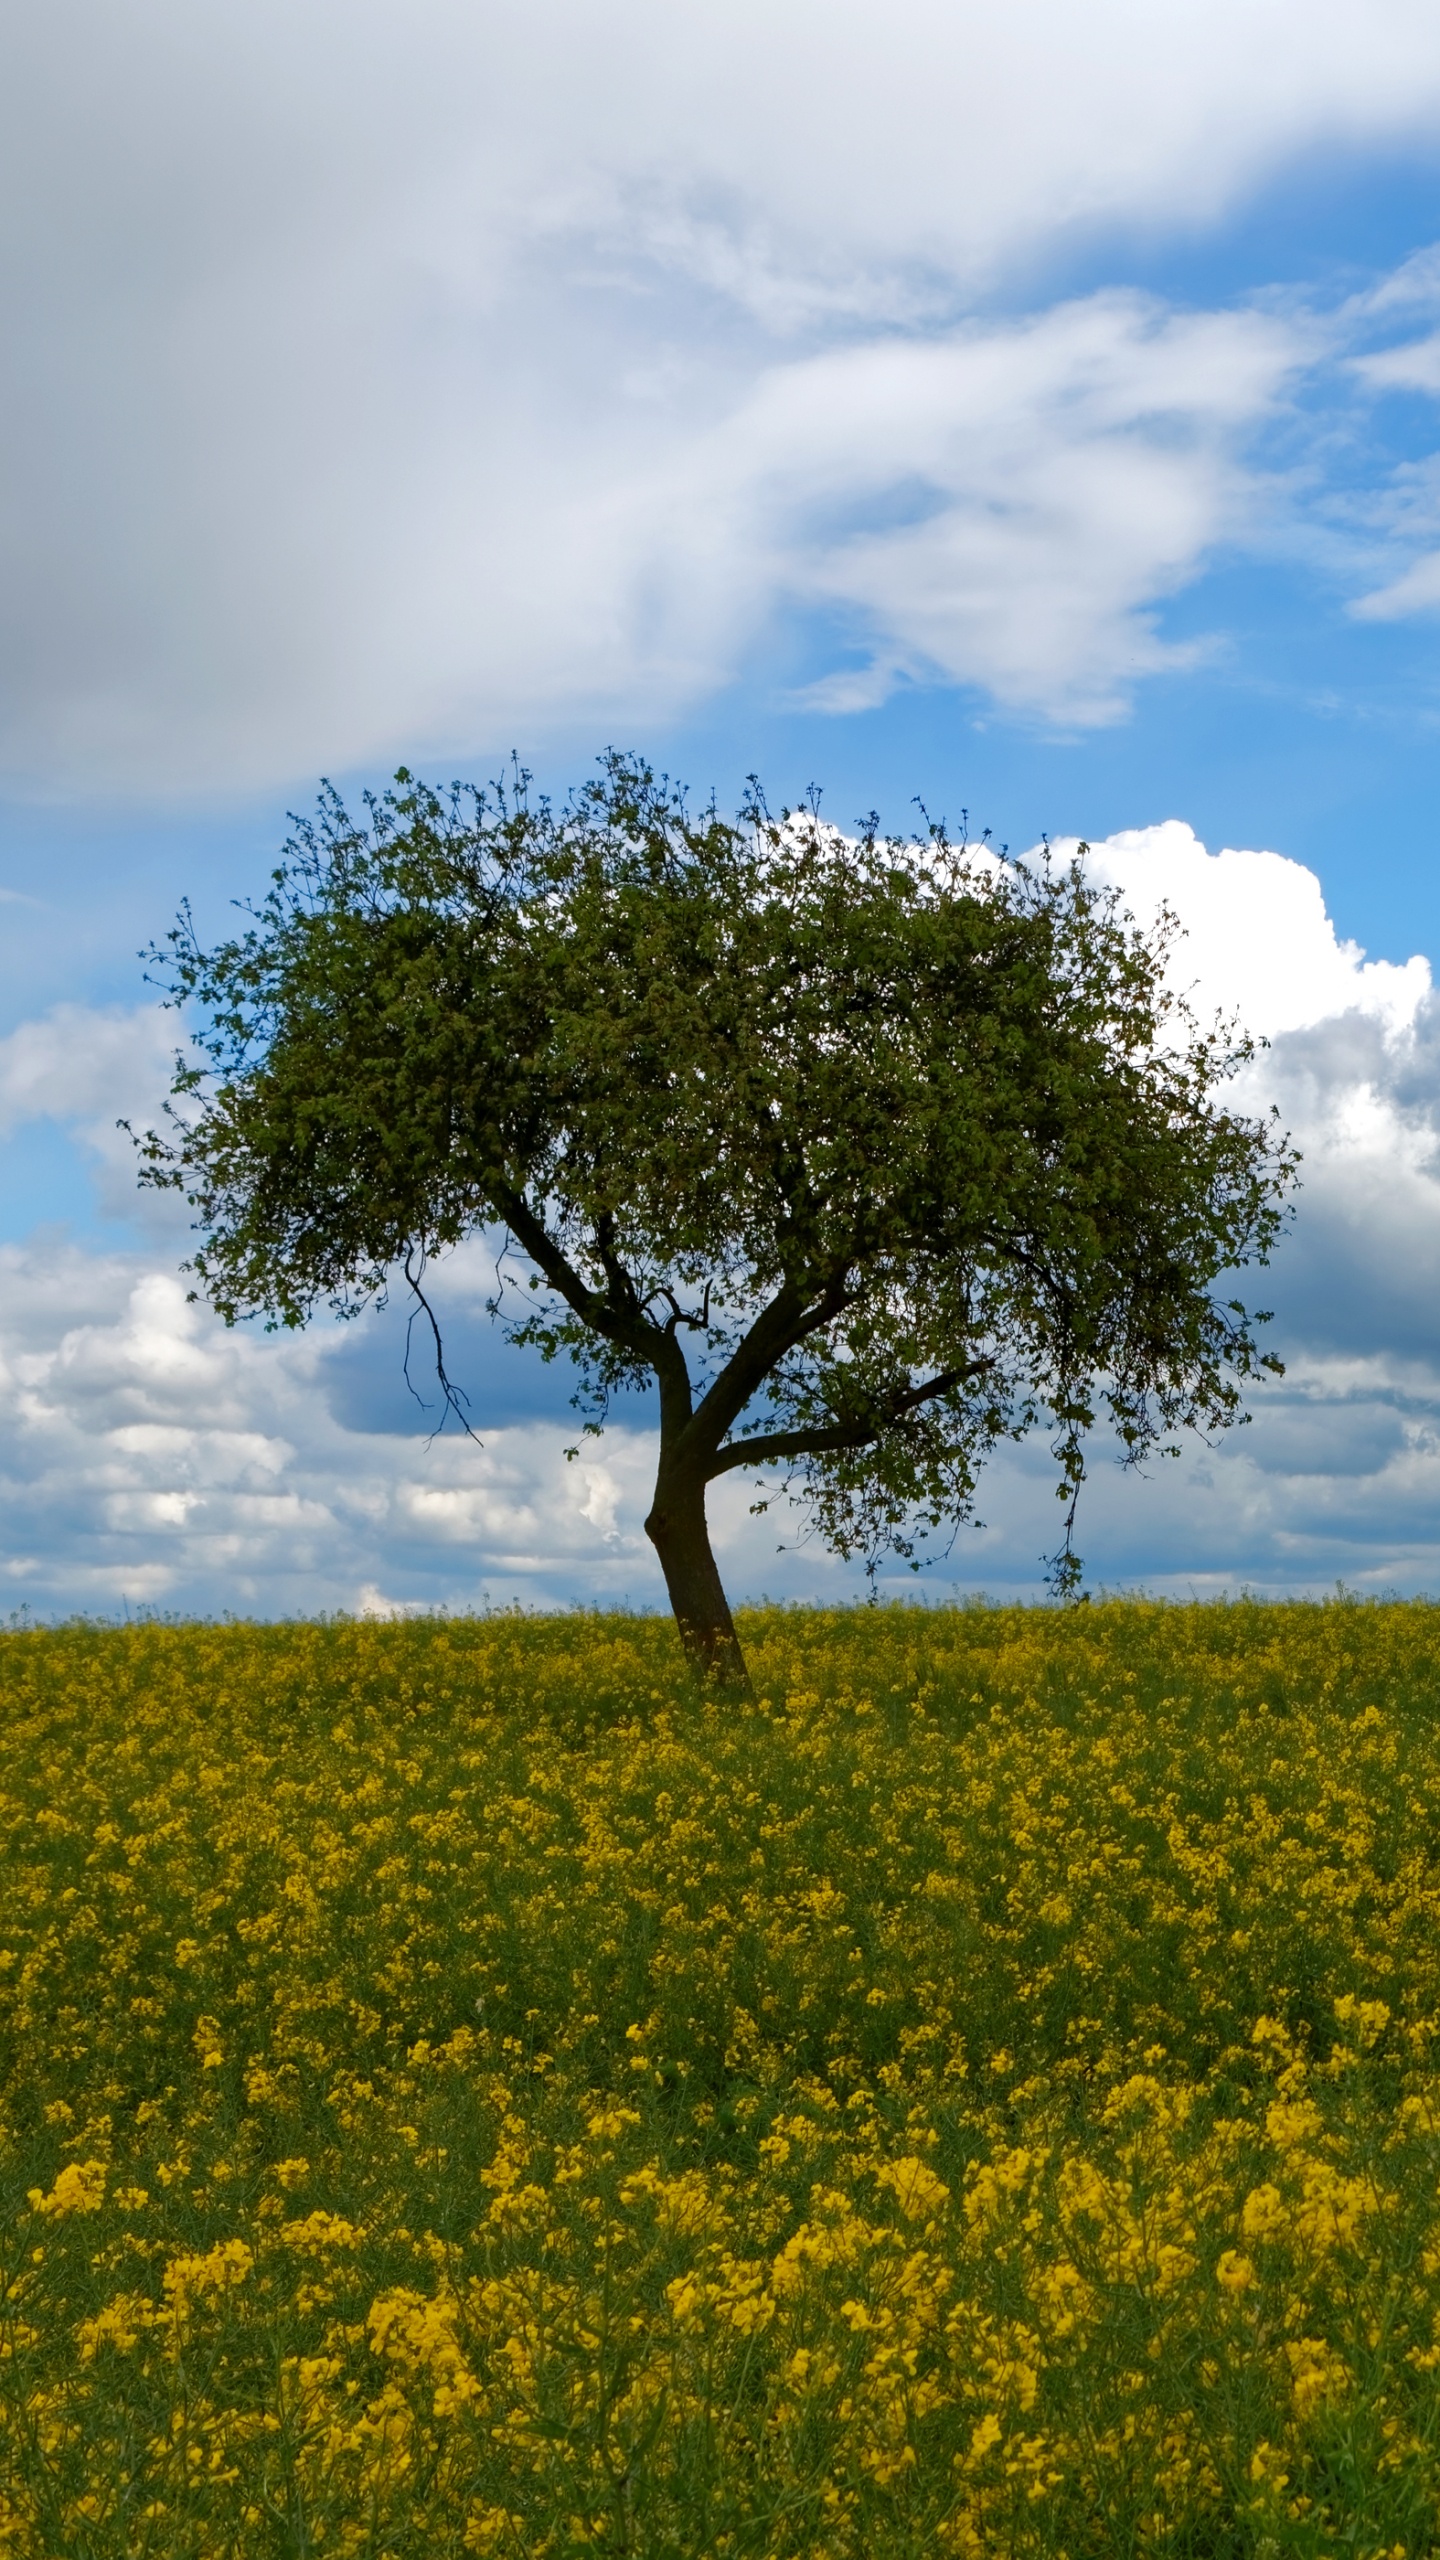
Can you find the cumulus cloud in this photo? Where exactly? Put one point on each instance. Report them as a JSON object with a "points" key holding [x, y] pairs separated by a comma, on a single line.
{"points": [[88, 1068], [426, 374], [1257, 940], [1353, 1067], [1339, 1474], [78, 1062], [150, 1456]]}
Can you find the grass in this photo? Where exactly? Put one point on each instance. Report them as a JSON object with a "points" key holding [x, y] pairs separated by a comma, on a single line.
{"points": [[460, 2095]]}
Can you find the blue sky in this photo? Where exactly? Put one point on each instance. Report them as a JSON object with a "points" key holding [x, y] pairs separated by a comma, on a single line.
{"points": [[1037, 411]]}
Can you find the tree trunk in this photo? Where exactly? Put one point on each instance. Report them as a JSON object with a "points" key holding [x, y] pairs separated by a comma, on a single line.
{"points": [[677, 1530]]}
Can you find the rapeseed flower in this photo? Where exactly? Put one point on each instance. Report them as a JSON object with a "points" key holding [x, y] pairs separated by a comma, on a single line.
{"points": [[459, 2093]]}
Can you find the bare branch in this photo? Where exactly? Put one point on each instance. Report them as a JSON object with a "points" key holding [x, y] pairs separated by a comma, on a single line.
{"points": [[453, 1397]]}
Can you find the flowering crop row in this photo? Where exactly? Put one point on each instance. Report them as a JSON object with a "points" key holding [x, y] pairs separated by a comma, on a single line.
{"points": [[458, 2095]]}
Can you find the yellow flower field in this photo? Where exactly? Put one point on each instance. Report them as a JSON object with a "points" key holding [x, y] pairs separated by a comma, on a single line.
{"points": [[460, 2096]]}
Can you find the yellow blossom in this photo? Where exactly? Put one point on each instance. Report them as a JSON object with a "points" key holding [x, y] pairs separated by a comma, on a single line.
{"points": [[916, 2189], [79, 2188]]}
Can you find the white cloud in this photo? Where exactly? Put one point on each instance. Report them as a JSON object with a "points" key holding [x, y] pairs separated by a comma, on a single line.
{"points": [[1063, 475], [1257, 940], [1413, 366], [89, 1068], [1393, 527], [1354, 1069], [1053, 480], [430, 373], [80, 1063], [1416, 590], [149, 1455]]}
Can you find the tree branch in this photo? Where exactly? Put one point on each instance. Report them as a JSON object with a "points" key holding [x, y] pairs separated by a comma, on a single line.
{"points": [[454, 1397], [762, 1446], [786, 1321], [542, 1249], [627, 1325], [606, 1314], [622, 1293]]}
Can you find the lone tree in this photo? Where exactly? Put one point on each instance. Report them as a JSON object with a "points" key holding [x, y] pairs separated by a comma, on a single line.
{"points": [[869, 1154]]}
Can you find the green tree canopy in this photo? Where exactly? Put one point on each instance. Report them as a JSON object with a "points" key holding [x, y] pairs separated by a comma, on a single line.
{"points": [[869, 1154]]}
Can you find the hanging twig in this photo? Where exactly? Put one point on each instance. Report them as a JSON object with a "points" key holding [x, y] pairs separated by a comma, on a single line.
{"points": [[453, 1397]]}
